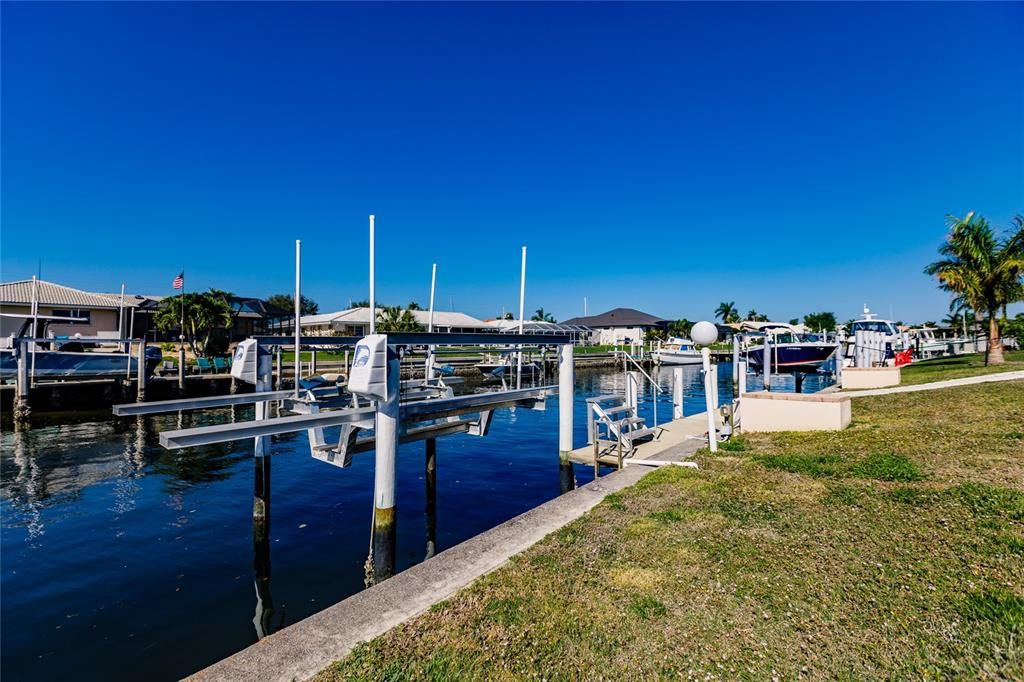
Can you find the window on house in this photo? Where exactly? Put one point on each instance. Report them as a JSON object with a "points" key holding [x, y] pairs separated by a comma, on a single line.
{"points": [[80, 316]]}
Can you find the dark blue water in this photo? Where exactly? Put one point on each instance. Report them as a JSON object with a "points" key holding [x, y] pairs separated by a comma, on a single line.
{"points": [[121, 560]]}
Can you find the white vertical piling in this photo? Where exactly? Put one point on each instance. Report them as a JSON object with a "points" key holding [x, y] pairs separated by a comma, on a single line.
{"points": [[429, 369], [714, 385], [373, 300], [386, 429], [839, 364], [632, 392], [280, 370], [677, 393], [565, 400], [298, 316], [140, 388], [743, 378], [522, 301], [735, 362], [566, 396], [705, 353], [22, 409], [767, 364]]}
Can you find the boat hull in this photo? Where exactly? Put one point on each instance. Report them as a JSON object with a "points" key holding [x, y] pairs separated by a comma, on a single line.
{"points": [[670, 358], [61, 365], [793, 357]]}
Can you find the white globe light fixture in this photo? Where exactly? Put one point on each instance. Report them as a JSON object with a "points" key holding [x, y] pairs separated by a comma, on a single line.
{"points": [[704, 334]]}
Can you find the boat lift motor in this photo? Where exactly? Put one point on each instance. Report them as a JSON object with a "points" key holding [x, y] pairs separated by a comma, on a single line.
{"points": [[369, 377], [252, 364]]}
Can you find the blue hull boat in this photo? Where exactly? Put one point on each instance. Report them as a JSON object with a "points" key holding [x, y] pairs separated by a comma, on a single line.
{"points": [[67, 365], [793, 357]]}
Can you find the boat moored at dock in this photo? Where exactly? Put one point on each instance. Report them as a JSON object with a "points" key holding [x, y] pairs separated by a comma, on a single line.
{"points": [[677, 351], [791, 351]]}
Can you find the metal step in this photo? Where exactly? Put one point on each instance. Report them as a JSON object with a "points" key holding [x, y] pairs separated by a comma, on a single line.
{"points": [[605, 398], [616, 410], [639, 433], [629, 421]]}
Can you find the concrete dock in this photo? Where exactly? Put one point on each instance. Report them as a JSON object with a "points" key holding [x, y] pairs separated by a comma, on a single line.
{"points": [[678, 441]]}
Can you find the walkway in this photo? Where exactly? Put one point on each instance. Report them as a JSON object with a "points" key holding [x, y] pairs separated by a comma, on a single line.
{"points": [[948, 383]]}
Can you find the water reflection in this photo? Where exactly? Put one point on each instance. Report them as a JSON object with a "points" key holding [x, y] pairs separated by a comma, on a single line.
{"points": [[111, 544]]}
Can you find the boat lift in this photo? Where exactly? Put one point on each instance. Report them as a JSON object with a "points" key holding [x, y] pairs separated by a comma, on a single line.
{"points": [[373, 399]]}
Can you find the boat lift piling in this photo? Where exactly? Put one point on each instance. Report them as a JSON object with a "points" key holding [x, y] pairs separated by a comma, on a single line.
{"points": [[566, 379], [22, 408], [735, 364], [141, 376], [677, 393]]}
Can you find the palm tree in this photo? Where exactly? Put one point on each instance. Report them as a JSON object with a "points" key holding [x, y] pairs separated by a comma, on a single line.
{"points": [[755, 316], [204, 315], [680, 327], [393, 319], [726, 312], [984, 270], [540, 316]]}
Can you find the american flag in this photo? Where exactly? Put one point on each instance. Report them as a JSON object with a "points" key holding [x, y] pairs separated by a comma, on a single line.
{"points": [[179, 281]]}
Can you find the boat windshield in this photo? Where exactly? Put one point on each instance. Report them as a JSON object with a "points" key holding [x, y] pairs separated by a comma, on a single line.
{"points": [[872, 326]]}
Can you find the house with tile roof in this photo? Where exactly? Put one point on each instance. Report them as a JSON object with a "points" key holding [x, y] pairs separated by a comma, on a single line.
{"points": [[619, 326], [86, 313]]}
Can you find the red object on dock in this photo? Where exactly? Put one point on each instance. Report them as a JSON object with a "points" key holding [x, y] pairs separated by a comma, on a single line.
{"points": [[904, 357]]}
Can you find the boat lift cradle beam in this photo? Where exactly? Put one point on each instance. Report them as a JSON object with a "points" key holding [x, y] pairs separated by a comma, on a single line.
{"points": [[426, 339], [418, 411]]}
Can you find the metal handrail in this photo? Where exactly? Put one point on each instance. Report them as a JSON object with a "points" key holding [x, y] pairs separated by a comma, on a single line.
{"points": [[642, 371], [657, 388]]}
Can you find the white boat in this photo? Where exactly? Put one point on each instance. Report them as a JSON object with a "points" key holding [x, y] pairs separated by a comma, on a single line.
{"points": [[677, 351], [893, 340], [926, 345]]}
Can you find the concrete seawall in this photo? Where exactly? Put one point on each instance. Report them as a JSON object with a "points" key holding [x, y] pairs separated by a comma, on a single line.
{"points": [[302, 650]]}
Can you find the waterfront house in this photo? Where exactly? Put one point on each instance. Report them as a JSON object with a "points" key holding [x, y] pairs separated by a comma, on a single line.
{"points": [[619, 326], [356, 322], [85, 313]]}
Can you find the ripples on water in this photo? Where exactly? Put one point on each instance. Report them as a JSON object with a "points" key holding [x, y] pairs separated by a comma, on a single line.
{"points": [[122, 560]]}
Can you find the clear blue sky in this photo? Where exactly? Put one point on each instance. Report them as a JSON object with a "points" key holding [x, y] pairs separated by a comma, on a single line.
{"points": [[791, 158]]}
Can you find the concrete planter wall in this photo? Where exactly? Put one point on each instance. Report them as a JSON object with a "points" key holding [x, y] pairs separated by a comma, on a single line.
{"points": [[764, 411], [870, 377]]}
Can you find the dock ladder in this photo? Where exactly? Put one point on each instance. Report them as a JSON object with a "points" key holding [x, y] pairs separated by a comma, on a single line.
{"points": [[614, 427]]}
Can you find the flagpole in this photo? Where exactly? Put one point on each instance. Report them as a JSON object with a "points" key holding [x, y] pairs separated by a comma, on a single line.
{"points": [[181, 338]]}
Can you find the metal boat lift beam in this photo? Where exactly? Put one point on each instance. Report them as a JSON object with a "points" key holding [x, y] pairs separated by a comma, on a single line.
{"points": [[418, 411], [187, 404], [425, 339]]}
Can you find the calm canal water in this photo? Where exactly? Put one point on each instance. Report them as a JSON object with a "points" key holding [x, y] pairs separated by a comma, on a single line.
{"points": [[122, 560]]}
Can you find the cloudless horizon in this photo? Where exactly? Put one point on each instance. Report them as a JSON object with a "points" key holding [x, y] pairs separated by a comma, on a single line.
{"points": [[792, 158]]}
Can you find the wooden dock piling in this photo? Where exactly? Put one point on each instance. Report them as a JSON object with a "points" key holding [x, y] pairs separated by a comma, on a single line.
{"points": [[140, 389], [22, 412]]}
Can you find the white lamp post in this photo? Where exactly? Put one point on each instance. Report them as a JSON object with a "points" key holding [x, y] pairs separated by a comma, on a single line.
{"points": [[704, 334]]}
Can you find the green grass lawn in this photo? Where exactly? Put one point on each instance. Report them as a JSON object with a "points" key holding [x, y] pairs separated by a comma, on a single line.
{"points": [[891, 550], [957, 367]]}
